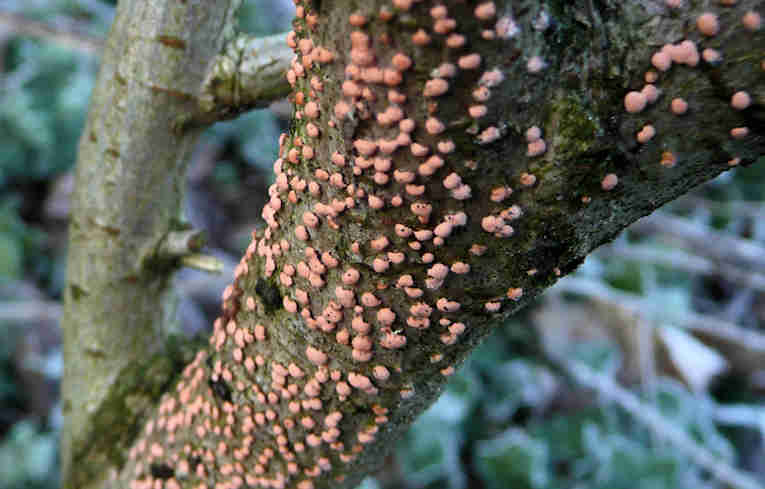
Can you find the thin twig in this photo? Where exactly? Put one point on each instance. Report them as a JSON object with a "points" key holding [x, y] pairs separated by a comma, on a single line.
{"points": [[67, 38], [206, 263], [733, 207], [750, 339], [201, 287], [739, 415], [686, 262], [29, 311], [717, 246]]}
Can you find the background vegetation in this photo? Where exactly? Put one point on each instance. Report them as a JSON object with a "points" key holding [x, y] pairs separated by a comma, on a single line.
{"points": [[644, 370]]}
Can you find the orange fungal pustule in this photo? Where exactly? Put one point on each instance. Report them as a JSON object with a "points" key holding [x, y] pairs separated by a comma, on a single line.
{"points": [[708, 24], [635, 102]]}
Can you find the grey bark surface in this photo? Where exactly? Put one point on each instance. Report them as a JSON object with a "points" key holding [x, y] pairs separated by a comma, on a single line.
{"points": [[248, 74], [119, 304], [234, 417]]}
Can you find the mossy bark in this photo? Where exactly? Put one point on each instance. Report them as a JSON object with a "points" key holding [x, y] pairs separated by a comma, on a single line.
{"points": [[259, 407]]}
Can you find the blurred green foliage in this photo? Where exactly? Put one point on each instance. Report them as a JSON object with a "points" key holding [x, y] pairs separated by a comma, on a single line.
{"points": [[43, 98], [21, 245], [490, 430], [27, 457], [254, 135]]}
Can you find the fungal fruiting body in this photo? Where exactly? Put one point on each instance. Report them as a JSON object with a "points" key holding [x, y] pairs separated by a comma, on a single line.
{"points": [[688, 54]]}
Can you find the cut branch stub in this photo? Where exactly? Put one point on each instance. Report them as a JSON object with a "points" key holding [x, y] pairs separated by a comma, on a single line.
{"points": [[447, 163], [181, 243]]}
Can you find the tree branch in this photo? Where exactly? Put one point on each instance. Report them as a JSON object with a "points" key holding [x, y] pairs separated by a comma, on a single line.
{"points": [[686, 262], [721, 247], [205, 263], [69, 38], [707, 325], [129, 179], [29, 311], [249, 74]]}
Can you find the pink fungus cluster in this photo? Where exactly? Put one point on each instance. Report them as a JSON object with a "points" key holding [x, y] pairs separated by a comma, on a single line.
{"points": [[536, 146], [687, 54]]}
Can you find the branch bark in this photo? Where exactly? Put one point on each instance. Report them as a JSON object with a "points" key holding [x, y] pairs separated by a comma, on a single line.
{"points": [[129, 179], [249, 74], [419, 200]]}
